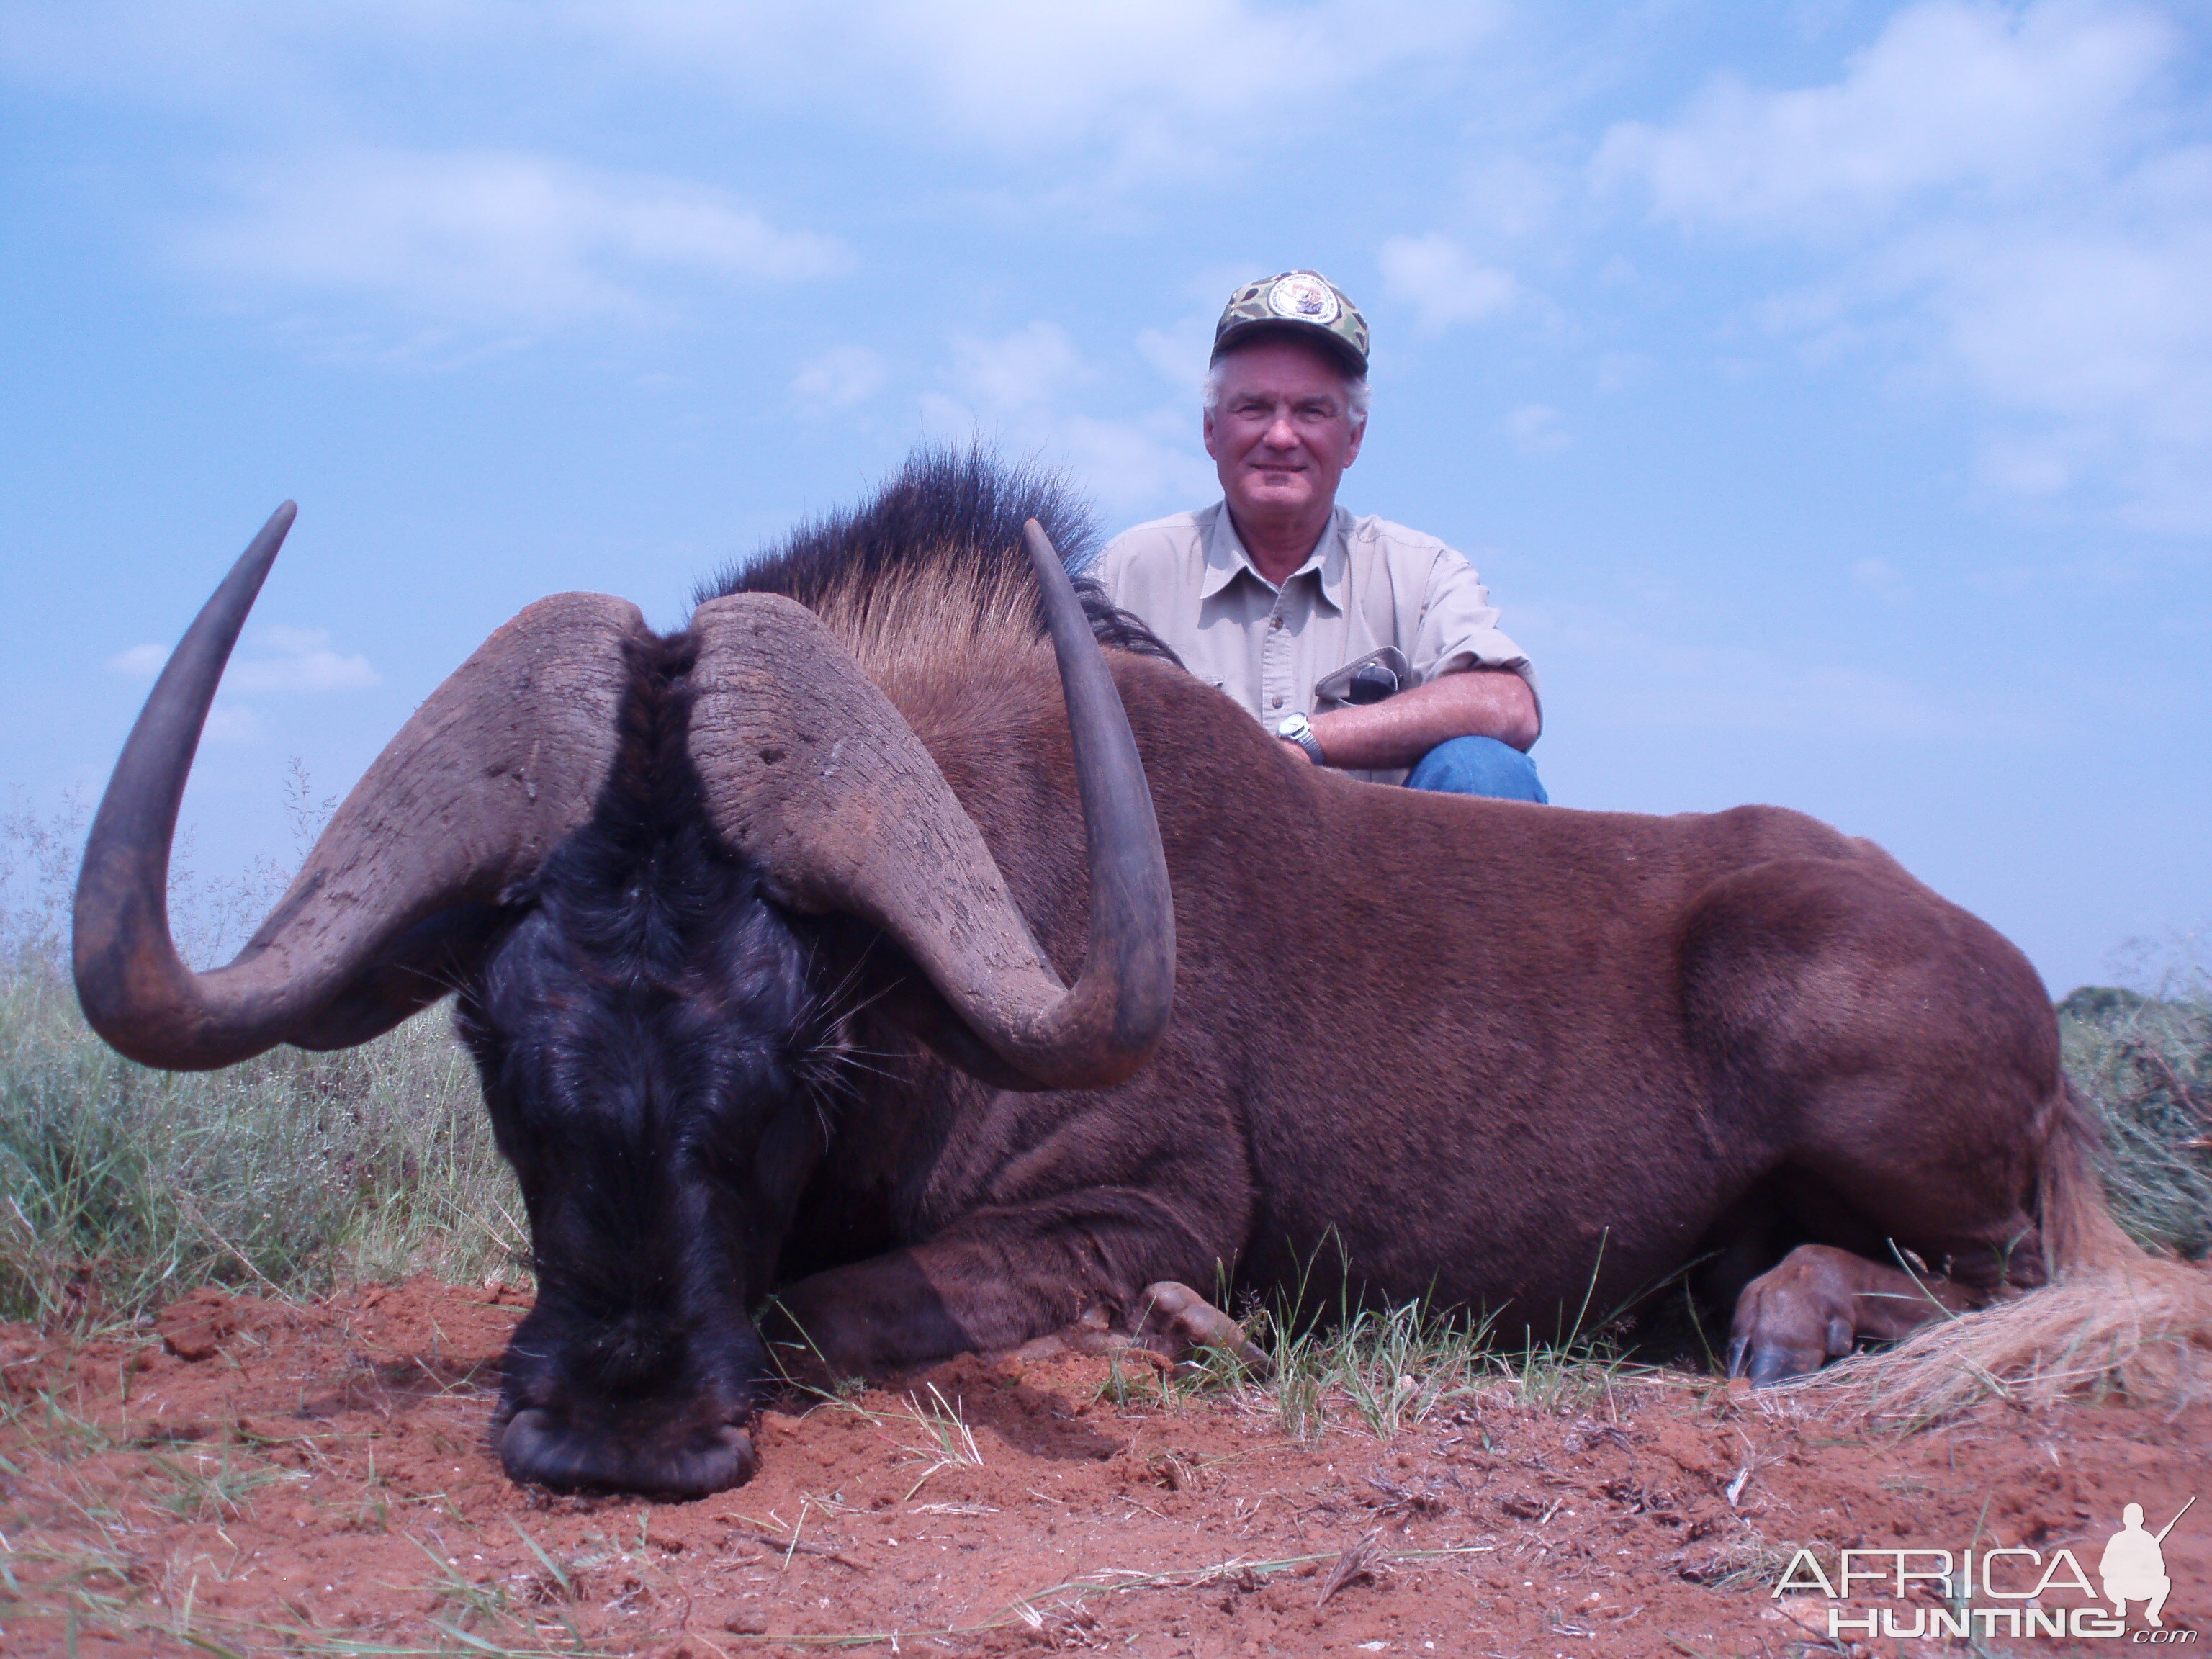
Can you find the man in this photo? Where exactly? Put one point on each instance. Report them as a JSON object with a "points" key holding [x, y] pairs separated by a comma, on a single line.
{"points": [[1362, 645]]}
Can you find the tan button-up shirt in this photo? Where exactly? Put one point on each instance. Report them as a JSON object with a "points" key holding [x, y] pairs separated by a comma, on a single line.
{"points": [[1368, 583]]}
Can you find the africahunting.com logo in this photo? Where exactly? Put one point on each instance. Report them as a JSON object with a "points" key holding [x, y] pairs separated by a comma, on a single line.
{"points": [[1999, 1591]]}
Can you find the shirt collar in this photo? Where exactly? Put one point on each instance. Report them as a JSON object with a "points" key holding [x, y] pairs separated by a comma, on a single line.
{"points": [[1226, 559]]}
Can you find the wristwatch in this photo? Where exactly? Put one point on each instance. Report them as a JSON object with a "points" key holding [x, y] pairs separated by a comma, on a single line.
{"points": [[1298, 729]]}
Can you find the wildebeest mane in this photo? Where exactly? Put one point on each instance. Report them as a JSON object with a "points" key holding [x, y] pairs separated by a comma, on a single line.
{"points": [[934, 563]]}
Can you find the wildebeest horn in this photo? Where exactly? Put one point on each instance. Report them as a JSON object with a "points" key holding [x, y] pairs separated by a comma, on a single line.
{"points": [[502, 762], [810, 769]]}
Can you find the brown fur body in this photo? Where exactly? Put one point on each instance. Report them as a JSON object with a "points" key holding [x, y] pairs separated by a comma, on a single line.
{"points": [[1506, 1056]]}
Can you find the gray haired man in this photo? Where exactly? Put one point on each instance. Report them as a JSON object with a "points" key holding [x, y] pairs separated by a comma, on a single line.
{"points": [[1360, 644]]}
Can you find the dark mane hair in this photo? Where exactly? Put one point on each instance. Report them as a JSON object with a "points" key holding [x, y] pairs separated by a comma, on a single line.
{"points": [[950, 517]]}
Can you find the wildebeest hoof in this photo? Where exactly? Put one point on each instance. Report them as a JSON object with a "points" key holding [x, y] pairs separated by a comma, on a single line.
{"points": [[1179, 1323], [1174, 1329], [1762, 1367], [534, 1447], [1795, 1318]]}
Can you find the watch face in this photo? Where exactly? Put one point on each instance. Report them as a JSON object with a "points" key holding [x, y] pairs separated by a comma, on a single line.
{"points": [[1293, 728]]}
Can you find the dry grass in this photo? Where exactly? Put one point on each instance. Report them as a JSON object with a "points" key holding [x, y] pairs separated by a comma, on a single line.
{"points": [[2142, 1332], [121, 1188]]}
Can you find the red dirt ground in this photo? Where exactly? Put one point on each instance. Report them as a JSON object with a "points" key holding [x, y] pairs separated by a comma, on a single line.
{"points": [[263, 1477]]}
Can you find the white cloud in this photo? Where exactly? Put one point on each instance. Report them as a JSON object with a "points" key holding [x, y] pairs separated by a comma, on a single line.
{"points": [[1135, 467], [288, 660], [2092, 332], [2007, 219], [2015, 464], [1027, 369], [1950, 94], [1165, 86], [1178, 353], [1014, 391], [842, 378], [232, 722], [1168, 86], [1879, 577], [302, 661], [1755, 690], [140, 662], [1750, 688], [1149, 464], [1535, 429], [1514, 195], [1443, 283], [489, 235]]}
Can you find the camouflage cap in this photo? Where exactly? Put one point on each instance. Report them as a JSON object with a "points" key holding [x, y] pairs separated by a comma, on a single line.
{"points": [[1304, 303]]}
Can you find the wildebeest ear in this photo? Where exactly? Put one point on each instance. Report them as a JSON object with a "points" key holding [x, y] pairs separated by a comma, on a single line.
{"points": [[873, 973], [810, 769]]}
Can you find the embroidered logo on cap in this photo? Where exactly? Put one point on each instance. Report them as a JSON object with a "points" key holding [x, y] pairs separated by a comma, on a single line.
{"points": [[1305, 298]]}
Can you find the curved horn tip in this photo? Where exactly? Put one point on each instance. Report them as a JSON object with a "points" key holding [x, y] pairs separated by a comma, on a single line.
{"points": [[1041, 550], [278, 525], [279, 521], [261, 552]]}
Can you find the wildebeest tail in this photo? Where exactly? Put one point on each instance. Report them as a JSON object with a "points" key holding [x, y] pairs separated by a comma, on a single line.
{"points": [[2076, 1220]]}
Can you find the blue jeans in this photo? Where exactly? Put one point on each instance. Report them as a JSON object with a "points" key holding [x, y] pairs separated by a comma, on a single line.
{"points": [[1479, 766]]}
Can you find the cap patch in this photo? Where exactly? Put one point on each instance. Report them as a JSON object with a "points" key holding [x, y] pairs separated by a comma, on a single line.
{"points": [[1304, 298]]}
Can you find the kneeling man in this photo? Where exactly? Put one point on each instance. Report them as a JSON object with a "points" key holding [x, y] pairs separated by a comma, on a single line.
{"points": [[1361, 644]]}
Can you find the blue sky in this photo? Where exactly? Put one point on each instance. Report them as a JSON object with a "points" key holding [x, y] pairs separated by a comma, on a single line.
{"points": [[1825, 390]]}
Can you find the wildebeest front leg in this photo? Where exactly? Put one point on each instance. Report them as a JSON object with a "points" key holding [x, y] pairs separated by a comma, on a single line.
{"points": [[1182, 1324], [912, 1307], [1173, 1322], [1821, 1301]]}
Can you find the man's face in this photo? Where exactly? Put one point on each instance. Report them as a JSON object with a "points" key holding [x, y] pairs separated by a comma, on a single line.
{"points": [[1283, 433]]}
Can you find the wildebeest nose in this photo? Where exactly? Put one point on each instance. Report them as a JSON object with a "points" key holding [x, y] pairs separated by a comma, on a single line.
{"points": [[711, 1458]]}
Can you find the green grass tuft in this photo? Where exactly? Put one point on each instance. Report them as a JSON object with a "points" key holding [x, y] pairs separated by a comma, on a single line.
{"points": [[1383, 1370]]}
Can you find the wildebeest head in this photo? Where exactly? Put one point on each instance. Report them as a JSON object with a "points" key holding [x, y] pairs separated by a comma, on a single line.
{"points": [[610, 841]]}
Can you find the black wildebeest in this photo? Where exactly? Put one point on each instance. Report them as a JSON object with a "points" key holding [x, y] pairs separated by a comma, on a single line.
{"points": [[760, 930]]}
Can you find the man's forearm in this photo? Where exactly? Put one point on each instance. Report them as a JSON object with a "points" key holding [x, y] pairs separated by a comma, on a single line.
{"points": [[1398, 731]]}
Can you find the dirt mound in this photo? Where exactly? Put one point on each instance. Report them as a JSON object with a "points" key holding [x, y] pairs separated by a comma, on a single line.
{"points": [[254, 1476]]}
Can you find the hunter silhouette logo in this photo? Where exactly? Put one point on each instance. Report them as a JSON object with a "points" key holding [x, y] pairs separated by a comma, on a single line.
{"points": [[2133, 1565], [2003, 1589]]}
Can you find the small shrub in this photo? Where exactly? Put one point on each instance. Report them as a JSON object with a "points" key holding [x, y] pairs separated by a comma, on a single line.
{"points": [[120, 1187], [2144, 1065]]}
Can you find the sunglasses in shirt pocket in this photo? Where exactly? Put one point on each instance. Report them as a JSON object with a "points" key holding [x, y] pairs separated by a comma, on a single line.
{"points": [[1367, 679]]}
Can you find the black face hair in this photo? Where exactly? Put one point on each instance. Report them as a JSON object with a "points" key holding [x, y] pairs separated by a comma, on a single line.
{"points": [[662, 1049]]}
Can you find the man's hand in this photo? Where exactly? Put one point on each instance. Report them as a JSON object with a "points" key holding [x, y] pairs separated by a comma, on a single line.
{"points": [[1480, 702]]}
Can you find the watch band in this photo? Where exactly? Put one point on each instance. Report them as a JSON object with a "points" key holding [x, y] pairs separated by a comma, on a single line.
{"points": [[1298, 729]]}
